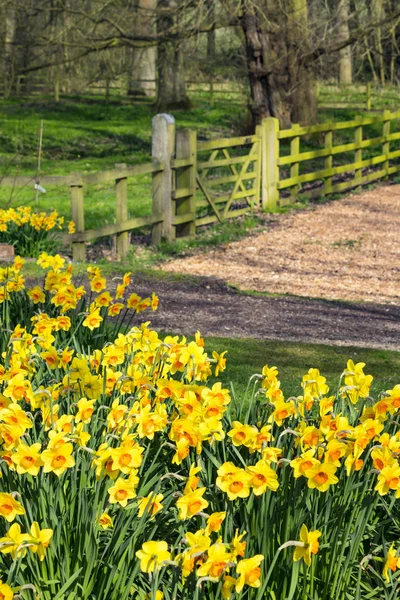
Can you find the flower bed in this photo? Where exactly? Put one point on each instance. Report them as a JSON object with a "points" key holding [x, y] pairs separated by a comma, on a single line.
{"points": [[29, 232], [128, 472]]}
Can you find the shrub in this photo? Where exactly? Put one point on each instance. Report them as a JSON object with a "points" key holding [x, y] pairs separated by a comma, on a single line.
{"points": [[31, 233], [129, 473]]}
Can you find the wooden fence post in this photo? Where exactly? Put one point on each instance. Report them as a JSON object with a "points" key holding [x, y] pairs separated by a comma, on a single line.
{"points": [[368, 96], [211, 93], [270, 168], [328, 161], [78, 216], [185, 186], [386, 144], [257, 180], [358, 155], [121, 212], [294, 169], [163, 149]]}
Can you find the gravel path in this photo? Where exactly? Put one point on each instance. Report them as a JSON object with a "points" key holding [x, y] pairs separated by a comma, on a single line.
{"points": [[347, 249], [211, 306]]}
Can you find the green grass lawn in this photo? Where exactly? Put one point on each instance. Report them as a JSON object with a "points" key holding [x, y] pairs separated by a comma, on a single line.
{"points": [[247, 356]]}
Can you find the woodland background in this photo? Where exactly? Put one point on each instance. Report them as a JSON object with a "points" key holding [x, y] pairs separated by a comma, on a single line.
{"points": [[275, 50]]}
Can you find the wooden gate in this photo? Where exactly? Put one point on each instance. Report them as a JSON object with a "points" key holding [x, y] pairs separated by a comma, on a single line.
{"points": [[228, 173]]}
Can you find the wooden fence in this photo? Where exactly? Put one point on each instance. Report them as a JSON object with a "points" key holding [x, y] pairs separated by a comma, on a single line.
{"points": [[281, 172], [368, 96], [197, 183]]}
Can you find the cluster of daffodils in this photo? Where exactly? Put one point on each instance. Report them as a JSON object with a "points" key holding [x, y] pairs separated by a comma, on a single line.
{"points": [[212, 560], [24, 215], [31, 232], [127, 469]]}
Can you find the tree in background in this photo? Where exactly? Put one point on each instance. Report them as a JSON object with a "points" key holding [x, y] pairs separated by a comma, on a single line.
{"points": [[343, 31], [142, 76], [171, 88], [280, 46]]}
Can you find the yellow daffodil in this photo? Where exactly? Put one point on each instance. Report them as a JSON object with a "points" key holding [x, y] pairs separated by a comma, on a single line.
{"points": [[321, 476], [105, 521], [39, 540], [249, 572], [151, 504], [263, 478], [58, 459], [9, 507], [310, 545], [388, 480], [152, 555], [14, 542], [122, 491], [192, 503], [27, 459]]}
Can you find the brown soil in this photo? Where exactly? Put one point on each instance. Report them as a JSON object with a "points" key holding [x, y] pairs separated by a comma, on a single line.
{"points": [[208, 304], [347, 249]]}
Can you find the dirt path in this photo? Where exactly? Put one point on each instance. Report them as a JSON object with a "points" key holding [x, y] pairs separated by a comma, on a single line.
{"points": [[347, 249], [215, 309]]}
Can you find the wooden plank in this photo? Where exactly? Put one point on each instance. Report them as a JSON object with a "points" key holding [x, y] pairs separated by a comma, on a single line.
{"points": [[182, 193], [358, 155], [239, 160], [45, 181], [206, 220], [258, 168], [394, 169], [203, 202], [394, 136], [232, 214], [78, 216], [270, 151], [289, 133], [386, 144], [214, 181], [185, 178], [121, 212], [328, 161], [244, 194], [183, 219], [294, 169], [394, 154], [309, 177], [200, 203], [162, 150], [226, 143], [113, 174], [178, 163], [312, 154], [106, 230]]}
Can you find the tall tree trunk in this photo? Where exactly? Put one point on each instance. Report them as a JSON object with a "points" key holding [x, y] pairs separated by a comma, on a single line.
{"points": [[142, 79], [8, 52], [171, 88], [343, 32], [377, 14], [211, 39], [282, 84], [302, 78]]}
